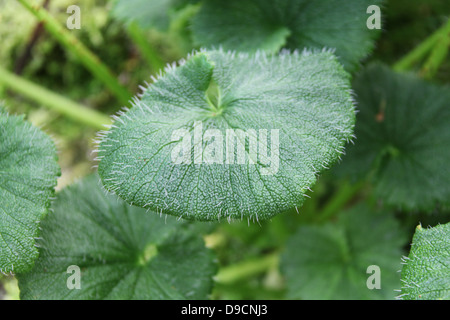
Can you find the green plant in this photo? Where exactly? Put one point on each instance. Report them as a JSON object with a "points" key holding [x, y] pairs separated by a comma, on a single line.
{"points": [[207, 93], [28, 178], [202, 182], [425, 274]]}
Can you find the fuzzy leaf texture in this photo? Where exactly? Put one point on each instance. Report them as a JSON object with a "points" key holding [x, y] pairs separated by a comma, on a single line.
{"points": [[123, 252], [28, 173], [148, 13], [296, 110], [426, 272], [330, 261], [402, 139], [295, 24]]}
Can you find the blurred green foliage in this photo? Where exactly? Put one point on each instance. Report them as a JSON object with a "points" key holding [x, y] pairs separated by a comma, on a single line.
{"points": [[406, 24]]}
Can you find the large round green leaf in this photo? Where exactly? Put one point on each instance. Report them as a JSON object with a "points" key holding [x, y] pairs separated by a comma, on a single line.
{"points": [[122, 252], [28, 173], [230, 136], [270, 25], [402, 139]]}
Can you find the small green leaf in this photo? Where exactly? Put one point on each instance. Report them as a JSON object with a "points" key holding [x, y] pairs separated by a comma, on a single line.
{"points": [[331, 261], [28, 173], [426, 272], [182, 148], [123, 252], [402, 139], [271, 25], [147, 14]]}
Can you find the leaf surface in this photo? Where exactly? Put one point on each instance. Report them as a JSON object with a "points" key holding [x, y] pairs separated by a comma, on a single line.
{"points": [[147, 14], [175, 152], [28, 173], [402, 139], [426, 272], [331, 261], [295, 24], [123, 252]]}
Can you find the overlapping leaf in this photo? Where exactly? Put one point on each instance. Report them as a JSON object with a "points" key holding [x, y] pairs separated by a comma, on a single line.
{"points": [[331, 261], [403, 139], [271, 25], [426, 273], [28, 172], [147, 14], [123, 252], [296, 108]]}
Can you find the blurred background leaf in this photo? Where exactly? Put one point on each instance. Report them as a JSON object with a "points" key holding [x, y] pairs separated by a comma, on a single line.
{"points": [[402, 132], [330, 261], [274, 24]]}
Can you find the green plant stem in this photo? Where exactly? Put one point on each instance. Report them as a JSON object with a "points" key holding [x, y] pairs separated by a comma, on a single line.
{"points": [[149, 53], [89, 60], [422, 49], [339, 200], [437, 56], [54, 101], [245, 269]]}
